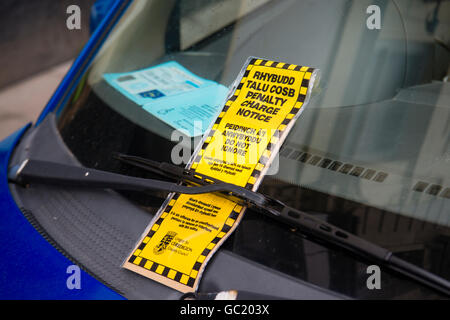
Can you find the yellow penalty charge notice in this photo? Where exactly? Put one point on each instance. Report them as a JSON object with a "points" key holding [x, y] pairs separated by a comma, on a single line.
{"points": [[263, 104]]}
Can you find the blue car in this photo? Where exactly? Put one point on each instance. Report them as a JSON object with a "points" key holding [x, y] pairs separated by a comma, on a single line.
{"points": [[369, 155]]}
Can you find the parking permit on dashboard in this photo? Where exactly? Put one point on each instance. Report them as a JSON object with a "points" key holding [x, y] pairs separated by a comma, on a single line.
{"points": [[172, 94], [263, 104]]}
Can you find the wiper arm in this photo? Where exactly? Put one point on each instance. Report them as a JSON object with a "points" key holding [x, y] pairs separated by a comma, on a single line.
{"points": [[37, 171], [59, 174]]}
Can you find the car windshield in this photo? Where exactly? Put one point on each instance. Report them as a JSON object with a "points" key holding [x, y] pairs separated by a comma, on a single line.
{"points": [[370, 153]]}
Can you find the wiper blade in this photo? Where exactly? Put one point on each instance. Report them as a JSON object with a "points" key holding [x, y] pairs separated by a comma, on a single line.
{"points": [[60, 174], [37, 171], [167, 169]]}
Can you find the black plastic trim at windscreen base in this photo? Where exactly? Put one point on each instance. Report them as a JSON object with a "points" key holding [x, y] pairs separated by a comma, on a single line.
{"points": [[28, 214]]}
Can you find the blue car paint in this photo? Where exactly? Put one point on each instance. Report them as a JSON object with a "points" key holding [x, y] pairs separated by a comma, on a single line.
{"points": [[30, 267], [99, 10]]}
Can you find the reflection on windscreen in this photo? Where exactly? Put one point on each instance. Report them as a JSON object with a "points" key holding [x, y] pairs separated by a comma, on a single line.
{"points": [[370, 153], [377, 131]]}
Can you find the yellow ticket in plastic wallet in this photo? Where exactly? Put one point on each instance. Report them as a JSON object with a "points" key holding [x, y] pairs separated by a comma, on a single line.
{"points": [[264, 102]]}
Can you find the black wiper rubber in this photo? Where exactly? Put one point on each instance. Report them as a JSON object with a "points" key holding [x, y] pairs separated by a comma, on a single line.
{"points": [[327, 233], [54, 173], [166, 169], [37, 171]]}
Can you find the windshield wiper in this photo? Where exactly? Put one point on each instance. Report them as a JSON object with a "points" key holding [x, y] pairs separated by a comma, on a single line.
{"points": [[36, 171]]}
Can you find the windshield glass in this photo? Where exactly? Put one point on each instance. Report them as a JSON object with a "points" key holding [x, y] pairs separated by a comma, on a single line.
{"points": [[370, 153]]}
